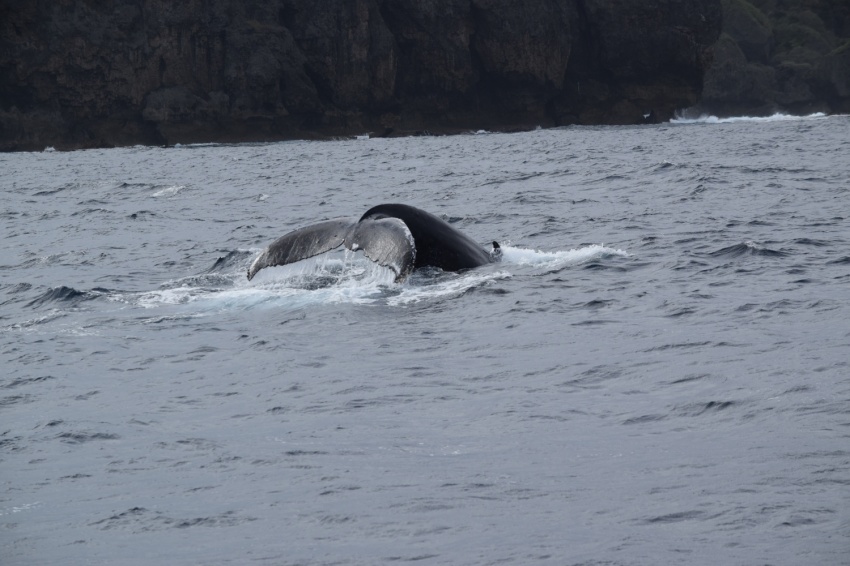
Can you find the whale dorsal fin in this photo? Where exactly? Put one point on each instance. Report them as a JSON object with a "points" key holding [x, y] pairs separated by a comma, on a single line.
{"points": [[303, 243]]}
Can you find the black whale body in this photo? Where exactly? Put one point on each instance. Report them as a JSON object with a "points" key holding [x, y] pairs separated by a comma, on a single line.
{"points": [[397, 236]]}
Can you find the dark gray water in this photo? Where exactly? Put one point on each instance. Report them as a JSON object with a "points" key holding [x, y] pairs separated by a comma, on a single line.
{"points": [[657, 373]]}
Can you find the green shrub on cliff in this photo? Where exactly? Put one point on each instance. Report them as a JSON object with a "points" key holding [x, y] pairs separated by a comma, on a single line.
{"points": [[801, 41]]}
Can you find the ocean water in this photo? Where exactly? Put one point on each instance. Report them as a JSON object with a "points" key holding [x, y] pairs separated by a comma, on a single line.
{"points": [[658, 372]]}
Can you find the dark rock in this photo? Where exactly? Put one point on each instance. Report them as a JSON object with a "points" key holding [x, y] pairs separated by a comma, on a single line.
{"points": [[839, 64], [780, 55], [749, 28], [84, 74], [737, 85]]}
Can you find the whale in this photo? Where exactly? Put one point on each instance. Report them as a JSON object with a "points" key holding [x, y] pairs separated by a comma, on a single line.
{"points": [[397, 236]]}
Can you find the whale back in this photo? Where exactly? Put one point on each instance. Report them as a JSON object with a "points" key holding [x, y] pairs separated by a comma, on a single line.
{"points": [[438, 243]]}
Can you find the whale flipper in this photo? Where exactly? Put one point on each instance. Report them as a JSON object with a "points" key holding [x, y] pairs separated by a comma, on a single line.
{"points": [[304, 243], [387, 242]]}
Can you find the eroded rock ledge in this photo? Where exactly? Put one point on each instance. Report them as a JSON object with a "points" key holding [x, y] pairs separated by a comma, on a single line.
{"points": [[119, 72]]}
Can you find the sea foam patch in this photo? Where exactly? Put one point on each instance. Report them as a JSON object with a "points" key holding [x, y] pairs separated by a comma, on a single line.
{"points": [[169, 191], [342, 277], [453, 287], [553, 261]]}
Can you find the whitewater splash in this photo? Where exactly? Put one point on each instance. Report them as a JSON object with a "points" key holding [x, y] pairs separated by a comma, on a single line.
{"points": [[777, 117], [548, 262], [341, 277], [344, 277], [445, 288]]}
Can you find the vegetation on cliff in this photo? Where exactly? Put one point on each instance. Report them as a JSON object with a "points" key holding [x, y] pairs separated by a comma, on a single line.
{"points": [[780, 55]]}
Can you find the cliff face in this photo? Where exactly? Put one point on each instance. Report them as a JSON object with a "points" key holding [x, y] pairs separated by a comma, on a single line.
{"points": [[781, 55], [116, 72]]}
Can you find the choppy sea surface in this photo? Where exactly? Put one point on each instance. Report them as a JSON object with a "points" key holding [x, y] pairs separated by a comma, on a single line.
{"points": [[658, 372]]}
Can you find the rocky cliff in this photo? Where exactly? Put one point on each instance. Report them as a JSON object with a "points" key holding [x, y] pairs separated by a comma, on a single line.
{"points": [[89, 73], [780, 55]]}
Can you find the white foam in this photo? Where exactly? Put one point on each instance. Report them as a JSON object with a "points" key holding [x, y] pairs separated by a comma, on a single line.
{"points": [[445, 289], [154, 299], [778, 117], [327, 279], [544, 261], [340, 277], [553, 261], [322, 280], [169, 191], [19, 508]]}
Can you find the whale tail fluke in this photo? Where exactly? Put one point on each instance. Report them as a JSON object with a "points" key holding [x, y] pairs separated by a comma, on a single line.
{"points": [[386, 241], [397, 236], [303, 243]]}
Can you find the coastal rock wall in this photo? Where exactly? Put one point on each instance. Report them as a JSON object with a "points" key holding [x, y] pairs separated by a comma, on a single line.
{"points": [[116, 72], [780, 55]]}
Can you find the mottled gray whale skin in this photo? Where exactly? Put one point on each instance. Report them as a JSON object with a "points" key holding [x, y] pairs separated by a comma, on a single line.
{"points": [[397, 236]]}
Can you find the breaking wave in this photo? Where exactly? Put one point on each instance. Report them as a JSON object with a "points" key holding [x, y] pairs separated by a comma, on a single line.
{"points": [[683, 118]]}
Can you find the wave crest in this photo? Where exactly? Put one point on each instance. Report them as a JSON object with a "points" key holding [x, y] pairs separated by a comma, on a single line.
{"points": [[682, 118]]}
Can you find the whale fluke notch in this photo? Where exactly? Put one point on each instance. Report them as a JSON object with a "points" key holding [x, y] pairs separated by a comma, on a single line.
{"points": [[397, 236]]}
